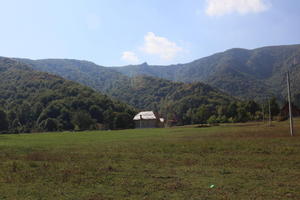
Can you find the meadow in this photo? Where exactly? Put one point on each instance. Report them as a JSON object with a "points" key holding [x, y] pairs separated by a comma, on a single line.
{"points": [[231, 161]]}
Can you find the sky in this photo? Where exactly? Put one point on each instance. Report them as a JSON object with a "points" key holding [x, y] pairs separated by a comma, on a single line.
{"points": [[122, 32]]}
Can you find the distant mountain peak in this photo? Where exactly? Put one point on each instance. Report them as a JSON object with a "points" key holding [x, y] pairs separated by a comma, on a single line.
{"points": [[245, 73], [144, 64]]}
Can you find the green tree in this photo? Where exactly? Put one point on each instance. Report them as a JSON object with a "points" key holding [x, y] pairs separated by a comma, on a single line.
{"points": [[297, 100], [202, 114], [25, 113], [252, 107], [108, 117], [212, 120], [4, 124], [232, 110], [242, 114], [11, 116], [122, 121], [50, 124], [65, 119], [16, 126], [274, 107], [187, 119], [82, 121], [37, 109], [96, 113], [221, 110], [222, 119]]}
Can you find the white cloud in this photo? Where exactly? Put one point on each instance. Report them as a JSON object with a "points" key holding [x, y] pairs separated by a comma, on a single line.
{"points": [[164, 48], [93, 21], [223, 7], [130, 57]]}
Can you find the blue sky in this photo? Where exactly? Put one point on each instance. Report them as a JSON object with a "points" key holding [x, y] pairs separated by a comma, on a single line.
{"points": [[121, 32]]}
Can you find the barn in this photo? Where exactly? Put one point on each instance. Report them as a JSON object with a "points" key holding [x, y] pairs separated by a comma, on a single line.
{"points": [[284, 112], [148, 119]]}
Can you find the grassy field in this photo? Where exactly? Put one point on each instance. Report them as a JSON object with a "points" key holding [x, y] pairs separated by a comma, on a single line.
{"points": [[239, 161]]}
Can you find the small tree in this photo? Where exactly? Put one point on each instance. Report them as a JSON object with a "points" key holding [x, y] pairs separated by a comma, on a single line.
{"points": [[50, 124], [82, 121], [4, 124], [212, 120], [96, 113], [232, 110], [202, 114], [221, 110], [108, 117], [242, 115], [122, 121], [252, 107], [274, 107], [297, 100], [222, 119]]}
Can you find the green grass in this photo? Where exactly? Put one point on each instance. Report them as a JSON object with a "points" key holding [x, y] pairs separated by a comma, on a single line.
{"points": [[242, 161]]}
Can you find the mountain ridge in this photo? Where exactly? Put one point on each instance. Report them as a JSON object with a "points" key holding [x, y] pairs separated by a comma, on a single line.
{"points": [[244, 73], [259, 68], [142, 92]]}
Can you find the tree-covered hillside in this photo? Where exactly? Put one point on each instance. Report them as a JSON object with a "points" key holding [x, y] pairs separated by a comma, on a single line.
{"points": [[174, 100], [84, 72], [250, 74], [171, 99], [38, 101], [189, 103]]}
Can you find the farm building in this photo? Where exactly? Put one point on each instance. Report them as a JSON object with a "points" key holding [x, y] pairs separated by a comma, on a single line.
{"points": [[148, 119], [284, 112]]}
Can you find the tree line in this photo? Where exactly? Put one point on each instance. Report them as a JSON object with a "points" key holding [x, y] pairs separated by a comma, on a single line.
{"points": [[235, 111]]}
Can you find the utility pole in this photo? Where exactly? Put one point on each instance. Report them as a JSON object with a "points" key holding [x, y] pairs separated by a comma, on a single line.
{"points": [[290, 104], [263, 112], [270, 116]]}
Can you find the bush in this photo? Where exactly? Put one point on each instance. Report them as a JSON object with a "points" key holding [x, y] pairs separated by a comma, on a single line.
{"points": [[212, 120], [122, 121], [82, 121], [3, 121], [50, 124], [222, 119]]}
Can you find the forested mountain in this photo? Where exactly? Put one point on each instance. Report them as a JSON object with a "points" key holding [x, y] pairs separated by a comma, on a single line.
{"points": [[38, 101], [98, 77], [249, 74], [253, 74], [175, 100]]}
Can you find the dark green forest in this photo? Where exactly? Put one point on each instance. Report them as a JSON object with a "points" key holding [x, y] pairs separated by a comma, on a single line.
{"points": [[32, 101]]}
